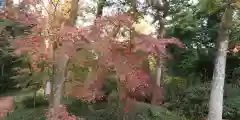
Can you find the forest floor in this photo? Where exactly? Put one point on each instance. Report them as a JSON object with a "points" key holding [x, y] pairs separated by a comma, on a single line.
{"points": [[6, 105]]}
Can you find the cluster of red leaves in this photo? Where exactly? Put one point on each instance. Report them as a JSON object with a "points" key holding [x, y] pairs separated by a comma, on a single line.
{"points": [[139, 87], [34, 46], [22, 16], [236, 48], [62, 114]]}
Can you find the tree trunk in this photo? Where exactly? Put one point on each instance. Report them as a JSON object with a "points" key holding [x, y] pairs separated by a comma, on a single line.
{"points": [[60, 67], [161, 33], [158, 72], [159, 66], [216, 97], [58, 81]]}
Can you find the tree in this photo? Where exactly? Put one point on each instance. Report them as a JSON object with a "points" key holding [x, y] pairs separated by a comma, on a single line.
{"points": [[53, 21], [162, 8], [216, 97], [70, 9], [123, 57]]}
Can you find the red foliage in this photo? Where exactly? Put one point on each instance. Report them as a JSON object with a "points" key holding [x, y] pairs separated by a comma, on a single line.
{"points": [[22, 16], [32, 45], [114, 55], [91, 91], [127, 64], [150, 44], [62, 114], [236, 48]]}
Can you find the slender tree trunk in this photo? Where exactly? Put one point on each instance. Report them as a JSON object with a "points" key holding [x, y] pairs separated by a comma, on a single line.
{"points": [[161, 33], [59, 79], [159, 72], [62, 60], [216, 97], [160, 61], [159, 66], [61, 65]]}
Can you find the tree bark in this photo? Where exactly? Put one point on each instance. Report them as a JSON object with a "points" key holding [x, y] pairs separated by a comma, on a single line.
{"points": [[61, 59], [216, 97], [159, 68], [162, 8], [161, 33], [59, 78], [73, 13]]}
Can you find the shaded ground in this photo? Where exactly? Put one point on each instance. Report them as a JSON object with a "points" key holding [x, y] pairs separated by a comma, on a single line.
{"points": [[6, 105]]}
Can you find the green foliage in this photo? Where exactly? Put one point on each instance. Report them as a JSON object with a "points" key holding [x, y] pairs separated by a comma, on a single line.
{"points": [[27, 114], [142, 111], [28, 102], [6, 65], [110, 85], [173, 85], [77, 107], [24, 106], [39, 101], [113, 108], [209, 6], [154, 112], [6, 22], [26, 77], [231, 101], [193, 101], [30, 79], [8, 60], [6, 83]]}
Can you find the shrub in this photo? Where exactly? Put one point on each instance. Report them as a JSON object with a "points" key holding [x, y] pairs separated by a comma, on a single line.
{"points": [[39, 101], [193, 102], [231, 102], [114, 110], [30, 102], [77, 107], [27, 114]]}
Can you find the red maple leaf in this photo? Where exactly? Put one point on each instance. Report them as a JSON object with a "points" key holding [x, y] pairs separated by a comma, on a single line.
{"points": [[151, 44]]}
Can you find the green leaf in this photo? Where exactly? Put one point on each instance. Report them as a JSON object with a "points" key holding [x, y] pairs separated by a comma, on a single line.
{"points": [[163, 114], [209, 6], [6, 22]]}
